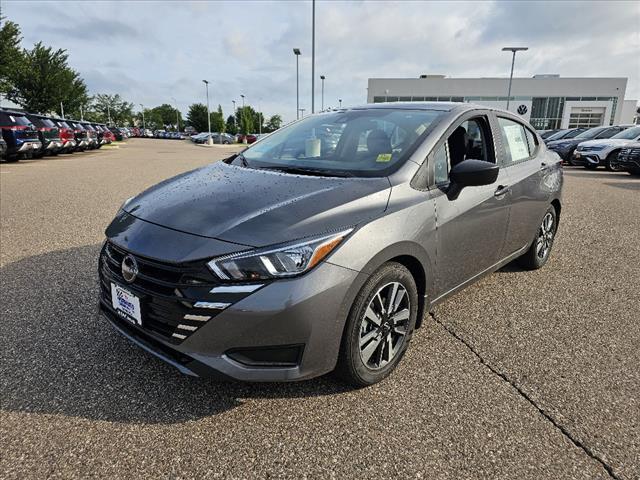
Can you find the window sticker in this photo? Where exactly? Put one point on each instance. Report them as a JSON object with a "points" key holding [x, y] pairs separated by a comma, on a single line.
{"points": [[384, 157], [516, 141]]}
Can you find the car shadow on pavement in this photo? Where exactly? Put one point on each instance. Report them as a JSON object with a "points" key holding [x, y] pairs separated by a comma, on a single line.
{"points": [[584, 173], [625, 185], [58, 356]]}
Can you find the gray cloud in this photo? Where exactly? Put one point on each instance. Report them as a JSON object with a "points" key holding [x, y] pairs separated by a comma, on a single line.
{"points": [[151, 52]]}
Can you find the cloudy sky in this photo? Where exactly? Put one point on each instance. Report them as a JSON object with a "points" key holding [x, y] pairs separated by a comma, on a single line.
{"points": [[153, 51]]}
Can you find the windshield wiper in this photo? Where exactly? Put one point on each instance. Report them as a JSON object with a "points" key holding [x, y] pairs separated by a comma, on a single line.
{"points": [[319, 172]]}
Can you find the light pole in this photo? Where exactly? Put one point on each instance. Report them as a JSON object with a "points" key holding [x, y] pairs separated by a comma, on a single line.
{"points": [[109, 112], [513, 61], [322, 77], [296, 52], [177, 114], [340, 101], [313, 55], [206, 84], [62, 110], [235, 125], [302, 110], [242, 101], [144, 125]]}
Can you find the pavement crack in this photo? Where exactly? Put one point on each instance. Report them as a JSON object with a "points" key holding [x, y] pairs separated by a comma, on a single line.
{"points": [[588, 451]]}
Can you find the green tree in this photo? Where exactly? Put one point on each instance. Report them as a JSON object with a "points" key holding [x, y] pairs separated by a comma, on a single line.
{"points": [[10, 53], [246, 119], [231, 126], [197, 117], [164, 115], [217, 121], [43, 80], [274, 123], [105, 106]]}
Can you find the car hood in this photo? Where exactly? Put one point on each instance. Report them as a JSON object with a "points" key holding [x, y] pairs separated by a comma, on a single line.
{"points": [[259, 207], [606, 141]]}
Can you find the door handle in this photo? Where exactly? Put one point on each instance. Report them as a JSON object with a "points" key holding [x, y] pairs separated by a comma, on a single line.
{"points": [[501, 190]]}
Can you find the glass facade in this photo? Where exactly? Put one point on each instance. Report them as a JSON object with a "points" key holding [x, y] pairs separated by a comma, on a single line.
{"points": [[546, 112]]}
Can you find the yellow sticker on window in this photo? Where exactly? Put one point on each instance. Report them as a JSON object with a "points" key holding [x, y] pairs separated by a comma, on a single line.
{"points": [[384, 157]]}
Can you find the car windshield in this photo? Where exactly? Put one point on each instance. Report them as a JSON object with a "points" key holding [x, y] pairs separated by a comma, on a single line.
{"points": [[628, 134], [591, 133], [557, 135], [355, 142]]}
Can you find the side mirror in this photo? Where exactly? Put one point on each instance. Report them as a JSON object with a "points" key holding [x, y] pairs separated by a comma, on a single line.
{"points": [[473, 173]]}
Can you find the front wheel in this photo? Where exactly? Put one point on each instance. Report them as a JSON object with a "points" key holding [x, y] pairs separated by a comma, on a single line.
{"points": [[379, 326], [611, 163], [540, 249]]}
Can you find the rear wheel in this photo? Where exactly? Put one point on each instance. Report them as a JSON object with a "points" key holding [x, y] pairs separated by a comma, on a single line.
{"points": [[379, 326], [540, 249]]}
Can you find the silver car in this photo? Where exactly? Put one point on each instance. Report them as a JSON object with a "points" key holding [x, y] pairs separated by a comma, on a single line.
{"points": [[321, 247]]}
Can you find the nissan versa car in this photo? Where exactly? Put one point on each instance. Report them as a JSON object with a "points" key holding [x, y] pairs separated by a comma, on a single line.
{"points": [[322, 246]]}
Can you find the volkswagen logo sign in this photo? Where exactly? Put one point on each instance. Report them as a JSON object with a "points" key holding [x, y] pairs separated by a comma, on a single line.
{"points": [[522, 109], [129, 268]]}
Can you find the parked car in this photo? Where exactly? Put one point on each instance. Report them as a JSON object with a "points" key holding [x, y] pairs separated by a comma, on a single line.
{"points": [[3, 148], [547, 133], [629, 158], [83, 142], [294, 258], [251, 138], [19, 134], [92, 134], [117, 134], [48, 134], [593, 153], [564, 134], [148, 133], [67, 135], [565, 147]]}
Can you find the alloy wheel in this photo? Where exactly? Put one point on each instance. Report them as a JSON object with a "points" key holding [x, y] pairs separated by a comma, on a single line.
{"points": [[384, 326], [545, 236]]}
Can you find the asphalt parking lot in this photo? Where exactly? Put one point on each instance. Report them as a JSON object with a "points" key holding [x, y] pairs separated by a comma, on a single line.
{"points": [[523, 375]]}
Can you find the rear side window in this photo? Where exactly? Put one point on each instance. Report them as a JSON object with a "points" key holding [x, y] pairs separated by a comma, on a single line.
{"points": [[532, 140], [515, 141]]}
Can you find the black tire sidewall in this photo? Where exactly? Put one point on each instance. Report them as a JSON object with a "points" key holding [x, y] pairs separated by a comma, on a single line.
{"points": [[350, 364]]}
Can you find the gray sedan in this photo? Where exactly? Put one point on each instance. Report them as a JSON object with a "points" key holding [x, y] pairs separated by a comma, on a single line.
{"points": [[321, 247]]}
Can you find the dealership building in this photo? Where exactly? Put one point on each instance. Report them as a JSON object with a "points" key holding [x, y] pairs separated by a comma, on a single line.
{"points": [[546, 101]]}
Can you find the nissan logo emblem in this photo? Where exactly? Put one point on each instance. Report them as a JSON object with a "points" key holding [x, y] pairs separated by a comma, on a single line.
{"points": [[129, 268]]}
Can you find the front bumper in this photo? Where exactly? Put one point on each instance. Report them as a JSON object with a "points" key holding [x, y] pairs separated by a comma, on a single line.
{"points": [[307, 313], [29, 146], [54, 145], [586, 158]]}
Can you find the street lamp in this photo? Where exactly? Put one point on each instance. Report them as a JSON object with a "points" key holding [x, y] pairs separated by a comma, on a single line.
{"points": [[313, 56], [340, 100], [302, 110], [322, 77], [235, 126], [296, 52], [144, 126], [242, 101], [206, 83], [513, 61], [177, 114]]}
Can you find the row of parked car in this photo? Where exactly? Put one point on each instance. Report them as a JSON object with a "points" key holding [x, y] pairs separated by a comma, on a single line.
{"points": [[225, 138], [30, 135], [617, 147]]}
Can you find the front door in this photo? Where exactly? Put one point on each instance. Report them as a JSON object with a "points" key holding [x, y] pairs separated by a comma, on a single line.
{"points": [[470, 228]]}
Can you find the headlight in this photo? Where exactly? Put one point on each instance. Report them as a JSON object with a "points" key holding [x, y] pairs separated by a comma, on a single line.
{"points": [[277, 262]]}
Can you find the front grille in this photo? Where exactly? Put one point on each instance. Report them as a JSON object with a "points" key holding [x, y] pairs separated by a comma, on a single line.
{"points": [[629, 153], [168, 293]]}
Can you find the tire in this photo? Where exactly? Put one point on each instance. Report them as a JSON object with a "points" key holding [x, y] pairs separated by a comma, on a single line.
{"points": [[540, 248], [611, 162], [374, 342]]}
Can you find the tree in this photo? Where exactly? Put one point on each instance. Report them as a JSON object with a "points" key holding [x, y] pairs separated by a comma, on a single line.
{"points": [[43, 80], [231, 126], [105, 106], [197, 117], [164, 115], [10, 53], [246, 118], [274, 123], [217, 121]]}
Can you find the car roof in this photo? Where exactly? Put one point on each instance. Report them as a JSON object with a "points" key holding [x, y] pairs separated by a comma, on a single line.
{"points": [[439, 106]]}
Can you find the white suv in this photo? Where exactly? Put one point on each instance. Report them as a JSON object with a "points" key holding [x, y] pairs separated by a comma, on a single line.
{"points": [[593, 153]]}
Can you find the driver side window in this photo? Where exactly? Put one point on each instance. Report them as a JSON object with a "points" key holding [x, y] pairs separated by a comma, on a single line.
{"points": [[467, 141]]}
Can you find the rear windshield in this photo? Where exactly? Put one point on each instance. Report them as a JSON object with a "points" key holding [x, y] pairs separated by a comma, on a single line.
{"points": [[44, 122], [12, 119], [62, 124], [355, 142]]}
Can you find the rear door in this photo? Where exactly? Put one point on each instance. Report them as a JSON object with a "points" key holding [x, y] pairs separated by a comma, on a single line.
{"points": [[471, 227], [522, 160]]}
